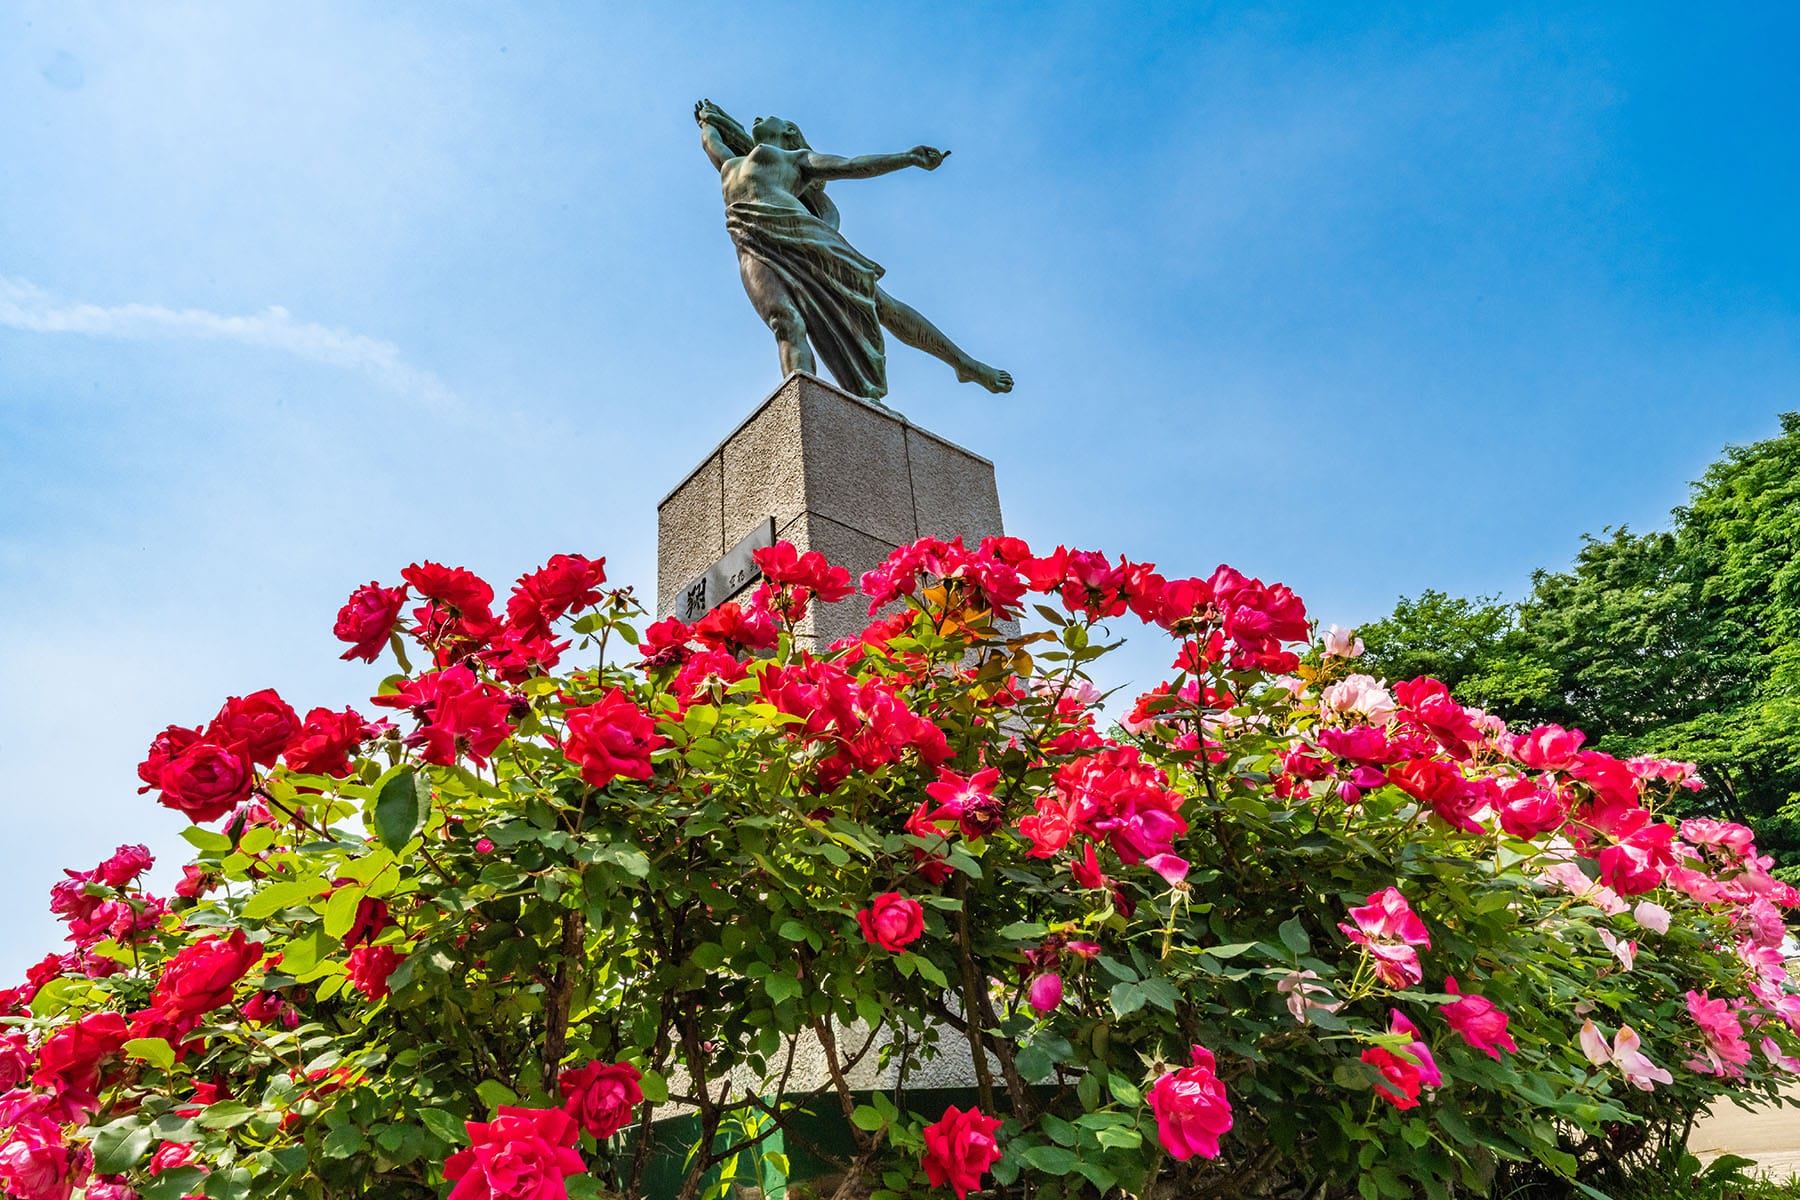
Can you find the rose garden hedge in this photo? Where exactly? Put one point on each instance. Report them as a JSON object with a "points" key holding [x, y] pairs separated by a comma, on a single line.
{"points": [[1284, 925]]}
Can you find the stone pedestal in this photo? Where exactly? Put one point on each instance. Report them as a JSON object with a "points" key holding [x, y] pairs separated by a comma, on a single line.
{"points": [[836, 474]]}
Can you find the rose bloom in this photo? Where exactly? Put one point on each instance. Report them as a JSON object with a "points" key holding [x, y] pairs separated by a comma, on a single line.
{"points": [[891, 921], [201, 977], [1546, 748], [35, 1163], [170, 1155], [126, 864], [959, 1148], [204, 782], [367, 619], [16, 1060], [325, 742], [259, 725], [70, 1058], [166, 745], [1478, 1020], [1045, 992], [522, 1154], [610, 739], [111, 1187], [601, 1096], [369, 967], [1192, 1110]]}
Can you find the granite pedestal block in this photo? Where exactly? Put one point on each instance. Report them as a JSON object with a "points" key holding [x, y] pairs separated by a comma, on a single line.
{"points": [[837, 474]]}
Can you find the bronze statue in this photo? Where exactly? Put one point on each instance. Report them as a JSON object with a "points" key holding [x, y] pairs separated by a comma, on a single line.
{"points": [[803, 278]]}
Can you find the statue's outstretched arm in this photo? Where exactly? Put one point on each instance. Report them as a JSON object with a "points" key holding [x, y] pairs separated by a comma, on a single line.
{"points": [[814, 165], [722, 138]]}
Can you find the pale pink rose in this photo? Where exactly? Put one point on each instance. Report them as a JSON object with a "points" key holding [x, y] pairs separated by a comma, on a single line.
{"points": [[1301, 989], [1342, 643], [1567, 875], [1624, 951], [1624, 1053], [1362, 694], [1651, 916], [1782, 1060]]}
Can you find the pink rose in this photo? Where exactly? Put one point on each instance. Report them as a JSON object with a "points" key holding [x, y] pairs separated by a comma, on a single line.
{"points": [[125, 865], [1478, 1020], [35, 1163], [522, 1154], [1546, 748], [169, 1156], [1192, 1110], [601, 1096], [891, 921], [1045, 992], [959, 1148]]}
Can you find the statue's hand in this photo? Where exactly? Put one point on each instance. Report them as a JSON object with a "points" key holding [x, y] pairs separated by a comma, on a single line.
{"points": [[706, 110], [929, 156]]}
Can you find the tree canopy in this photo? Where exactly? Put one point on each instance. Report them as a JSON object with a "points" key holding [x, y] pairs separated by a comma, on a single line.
{"points": [[1679, 643]]}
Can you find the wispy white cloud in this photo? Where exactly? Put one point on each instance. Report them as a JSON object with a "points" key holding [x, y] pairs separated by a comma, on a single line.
{"points": [[25, 306]]}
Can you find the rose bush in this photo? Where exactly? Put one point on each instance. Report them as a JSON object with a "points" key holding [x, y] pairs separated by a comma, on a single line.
{"points": [[1283, 925]]}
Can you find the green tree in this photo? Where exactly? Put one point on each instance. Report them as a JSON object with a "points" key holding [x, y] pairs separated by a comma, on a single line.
{"points": [[1680, 642]]}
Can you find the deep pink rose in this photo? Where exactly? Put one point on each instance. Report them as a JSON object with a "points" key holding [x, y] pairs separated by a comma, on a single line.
{"points": [[125, 865], [610, 739], [371, 918], [259, 726], [1546, 748], [601, 1096], [1192, 1110], [15, 1060], [369, 967], [35, 1162], [171, 1155], [201, 977], [325, 742], [1478, 1020], [367, 619], [205, 781], [568, 582], [891, 921], [1045, 992], [70, 1059], [959, 1148], [166, 745], [522, 1154]]}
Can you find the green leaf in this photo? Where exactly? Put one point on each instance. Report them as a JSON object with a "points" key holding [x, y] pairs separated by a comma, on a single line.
{"points": [[400, 808], [793, 931], [118, 1146], [866, 1118], [340, 910], [344, 1141], [782, 987], [1124, 1091], [155, 1051], [493, 1093], [1294, 937], [654, 1087], [446, 1127], [1232, 950], [1127, 998], [1052, 1160], [226, 1114]]}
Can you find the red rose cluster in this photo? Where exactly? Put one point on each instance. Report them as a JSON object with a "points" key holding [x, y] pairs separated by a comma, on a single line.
{"points": [[527, 1153]]}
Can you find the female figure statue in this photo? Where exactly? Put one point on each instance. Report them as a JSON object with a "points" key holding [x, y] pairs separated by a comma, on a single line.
{"points": [[804, 280]]}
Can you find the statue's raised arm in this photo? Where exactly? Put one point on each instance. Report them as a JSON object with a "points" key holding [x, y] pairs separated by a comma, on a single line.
{"points": [[812, 288]]}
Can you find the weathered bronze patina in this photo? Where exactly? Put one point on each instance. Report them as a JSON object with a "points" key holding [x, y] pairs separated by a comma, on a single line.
{"points": [[803, 278]]}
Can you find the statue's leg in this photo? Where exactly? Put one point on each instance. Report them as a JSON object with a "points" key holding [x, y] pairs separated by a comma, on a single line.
{"points": [[905, 322], [777, 309]]}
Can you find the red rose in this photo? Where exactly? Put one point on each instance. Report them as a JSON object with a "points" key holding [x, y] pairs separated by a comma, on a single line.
{"points": [[367, 619], [259, 726], [1400, 1077], [201, 977], [959, 1148], [15, 1060], [567, 582], [325, 742], [205, 781], [170, 1155], [70, 1059], [610, 739], [369, 967], [891, 921], [167, 745], [522, 1154], [600, 1096], [371, 918], [457, 587], [1192, 1110], [35, 1162]]}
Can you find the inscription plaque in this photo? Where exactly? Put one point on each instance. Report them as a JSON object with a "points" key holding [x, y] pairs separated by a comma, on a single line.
{"points": [[727, 577]]}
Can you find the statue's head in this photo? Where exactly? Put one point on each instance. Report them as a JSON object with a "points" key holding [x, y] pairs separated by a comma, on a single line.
{"points": [[775, 131]]}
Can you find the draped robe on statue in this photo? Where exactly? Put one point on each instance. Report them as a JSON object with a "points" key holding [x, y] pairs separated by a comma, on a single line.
{"points": [[831, 282]]}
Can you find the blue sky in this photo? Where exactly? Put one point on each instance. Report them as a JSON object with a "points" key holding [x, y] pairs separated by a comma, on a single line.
{"points": [[1360, 299]]}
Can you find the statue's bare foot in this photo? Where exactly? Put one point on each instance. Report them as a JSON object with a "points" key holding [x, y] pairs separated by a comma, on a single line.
{"points": [[991, 378]]}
